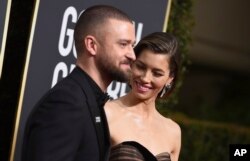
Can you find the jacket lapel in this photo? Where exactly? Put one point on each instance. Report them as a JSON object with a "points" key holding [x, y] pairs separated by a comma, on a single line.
{"points": [[97, 114]]}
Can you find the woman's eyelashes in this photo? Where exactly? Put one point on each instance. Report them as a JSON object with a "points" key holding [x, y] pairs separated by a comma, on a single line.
{"points": [[155, 72]]}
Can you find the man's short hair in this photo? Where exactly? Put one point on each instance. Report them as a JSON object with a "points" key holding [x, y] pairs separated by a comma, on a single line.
{"points": [[92, 20]]}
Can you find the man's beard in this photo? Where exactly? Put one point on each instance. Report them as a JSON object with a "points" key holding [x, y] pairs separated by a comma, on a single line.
{"points": [[106, 66]]}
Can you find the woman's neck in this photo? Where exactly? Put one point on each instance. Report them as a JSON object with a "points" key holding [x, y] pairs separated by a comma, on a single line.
{"points": [[136, 105]]}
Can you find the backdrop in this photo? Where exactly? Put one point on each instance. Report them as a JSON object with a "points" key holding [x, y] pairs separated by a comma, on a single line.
{"points": [[4, 22]]}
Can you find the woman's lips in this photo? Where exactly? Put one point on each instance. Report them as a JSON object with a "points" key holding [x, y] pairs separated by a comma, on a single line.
{"points": [[142, 88]]}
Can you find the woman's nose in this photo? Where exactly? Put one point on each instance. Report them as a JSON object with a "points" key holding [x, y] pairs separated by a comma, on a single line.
{"points": [[145, 77]]}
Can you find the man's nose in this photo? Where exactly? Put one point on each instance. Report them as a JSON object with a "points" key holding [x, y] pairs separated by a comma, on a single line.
{"points": [[131, 54]]}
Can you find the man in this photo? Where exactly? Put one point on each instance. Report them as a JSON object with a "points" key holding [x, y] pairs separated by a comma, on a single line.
{"points": [[69, 123]]}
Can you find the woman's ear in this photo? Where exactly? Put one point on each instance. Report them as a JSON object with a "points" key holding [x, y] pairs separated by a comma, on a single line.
{"points": [[169, 81], [90, 43]]}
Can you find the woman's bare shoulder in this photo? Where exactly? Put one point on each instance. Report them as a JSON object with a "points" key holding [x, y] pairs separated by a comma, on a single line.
{"points": [[112, 104], [172, 126], [111, 108]]}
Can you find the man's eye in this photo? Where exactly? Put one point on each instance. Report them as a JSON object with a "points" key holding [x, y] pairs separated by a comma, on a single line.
{"points": [[123, 44]]}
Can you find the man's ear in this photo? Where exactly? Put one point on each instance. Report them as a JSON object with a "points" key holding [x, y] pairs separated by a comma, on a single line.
{"points": [[90, 43]]}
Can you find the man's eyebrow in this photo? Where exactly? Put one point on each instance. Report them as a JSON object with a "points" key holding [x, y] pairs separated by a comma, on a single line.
{"points": [[128, 41]]}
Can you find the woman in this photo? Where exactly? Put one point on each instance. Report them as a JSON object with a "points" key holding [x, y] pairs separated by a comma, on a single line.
{"points": [[138, 131]]}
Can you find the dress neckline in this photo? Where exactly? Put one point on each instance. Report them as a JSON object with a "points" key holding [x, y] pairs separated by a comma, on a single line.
{"points": [[141, 149]]}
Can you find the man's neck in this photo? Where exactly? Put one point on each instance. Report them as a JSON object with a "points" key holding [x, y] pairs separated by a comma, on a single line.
{"points": [[101, 80]]}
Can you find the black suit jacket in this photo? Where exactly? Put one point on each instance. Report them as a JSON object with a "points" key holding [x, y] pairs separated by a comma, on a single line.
{"points": [[67, 124]]}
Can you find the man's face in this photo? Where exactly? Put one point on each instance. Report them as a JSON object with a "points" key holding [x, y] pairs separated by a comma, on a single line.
{"points": [[115, 49]]}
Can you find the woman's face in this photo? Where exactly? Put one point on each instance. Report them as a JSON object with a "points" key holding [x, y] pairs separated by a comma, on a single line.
{"points": [[150, 73]]}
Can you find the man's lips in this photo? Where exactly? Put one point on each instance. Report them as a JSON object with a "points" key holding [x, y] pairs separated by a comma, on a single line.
{"points": [[126, 65]]}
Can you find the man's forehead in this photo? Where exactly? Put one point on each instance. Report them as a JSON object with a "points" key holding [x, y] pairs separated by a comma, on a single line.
{"points": [[116, 20]]}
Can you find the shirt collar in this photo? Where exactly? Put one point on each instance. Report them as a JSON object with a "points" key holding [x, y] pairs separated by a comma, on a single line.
{"points": [[101, 97]]}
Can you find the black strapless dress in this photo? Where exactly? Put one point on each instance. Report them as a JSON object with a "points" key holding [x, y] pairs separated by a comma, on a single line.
{"points": [[133, 151]]}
